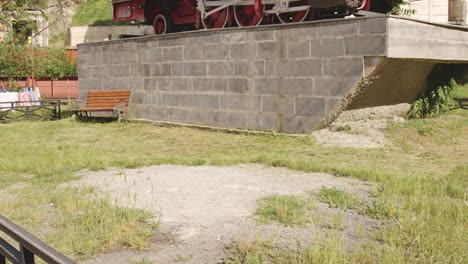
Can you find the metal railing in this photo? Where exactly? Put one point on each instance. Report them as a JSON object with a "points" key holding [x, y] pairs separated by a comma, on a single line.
{"points": [[35, 110], [29, 246]]}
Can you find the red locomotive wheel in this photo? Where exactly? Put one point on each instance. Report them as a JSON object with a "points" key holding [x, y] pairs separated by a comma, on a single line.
{"points": [[293, 17], [216, 20], [245, 16], [162, 24]]}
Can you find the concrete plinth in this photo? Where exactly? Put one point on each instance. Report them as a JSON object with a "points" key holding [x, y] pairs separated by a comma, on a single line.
{"points": [[286, 78]]}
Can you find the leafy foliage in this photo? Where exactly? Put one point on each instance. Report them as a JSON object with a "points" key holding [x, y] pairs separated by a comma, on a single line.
{"points": [[438, 97], [18, 60]]}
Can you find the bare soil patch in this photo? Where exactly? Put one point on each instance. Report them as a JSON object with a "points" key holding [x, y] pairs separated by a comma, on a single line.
{"points": [[205, 209]]}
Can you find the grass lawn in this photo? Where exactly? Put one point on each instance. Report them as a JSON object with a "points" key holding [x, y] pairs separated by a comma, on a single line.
{"points": [[423, 178], [461, 91]]}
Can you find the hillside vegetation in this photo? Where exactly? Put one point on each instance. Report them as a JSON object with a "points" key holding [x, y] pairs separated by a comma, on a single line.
{"points": [[94, 13]]}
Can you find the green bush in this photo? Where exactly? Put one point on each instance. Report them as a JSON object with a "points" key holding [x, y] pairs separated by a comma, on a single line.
{"points": [[19, 60]]}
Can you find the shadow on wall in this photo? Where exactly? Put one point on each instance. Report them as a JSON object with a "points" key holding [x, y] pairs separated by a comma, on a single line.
{"points": [[397, 81]]}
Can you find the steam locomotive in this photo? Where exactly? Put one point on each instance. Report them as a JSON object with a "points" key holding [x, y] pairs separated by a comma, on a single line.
{"points": [[179, 15]]}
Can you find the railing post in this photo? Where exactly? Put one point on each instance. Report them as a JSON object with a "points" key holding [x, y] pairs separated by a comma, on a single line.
{"points": [[27, 257]]}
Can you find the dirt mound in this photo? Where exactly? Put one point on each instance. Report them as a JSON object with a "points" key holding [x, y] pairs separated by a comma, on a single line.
{"points": [[362, 128]]}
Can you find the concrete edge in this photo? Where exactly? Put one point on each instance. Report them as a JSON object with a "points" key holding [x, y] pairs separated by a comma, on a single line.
{"points": [[204, 31], [213, 128]]}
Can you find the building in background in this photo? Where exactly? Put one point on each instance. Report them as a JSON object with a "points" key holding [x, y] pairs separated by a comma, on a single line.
{"points": [[38, 35], [439, 11]]}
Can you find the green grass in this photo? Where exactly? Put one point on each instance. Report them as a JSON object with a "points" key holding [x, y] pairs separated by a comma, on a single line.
{"points": [[422, 177], [94, 13], [461, 91], [288, 210], [337, 198]]}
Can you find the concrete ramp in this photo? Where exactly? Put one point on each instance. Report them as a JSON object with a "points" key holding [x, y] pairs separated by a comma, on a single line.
{"points": [[286, 78]]}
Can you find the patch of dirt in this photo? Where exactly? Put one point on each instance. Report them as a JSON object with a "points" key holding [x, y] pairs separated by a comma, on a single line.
{"points": [[206, 208], [362, 128]]}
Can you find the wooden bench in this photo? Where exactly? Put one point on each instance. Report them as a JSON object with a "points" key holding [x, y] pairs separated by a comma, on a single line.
{"points": [[105, 101]]}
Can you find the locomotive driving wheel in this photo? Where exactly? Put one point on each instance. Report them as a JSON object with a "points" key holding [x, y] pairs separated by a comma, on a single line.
{"points": [[293, 17], [162, 24], [216, 20], [245, 16]]}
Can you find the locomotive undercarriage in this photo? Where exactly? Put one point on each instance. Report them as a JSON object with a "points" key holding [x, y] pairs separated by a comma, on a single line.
{"points": [[209, 14]]}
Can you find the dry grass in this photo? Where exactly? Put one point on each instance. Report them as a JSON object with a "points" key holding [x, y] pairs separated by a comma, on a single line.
{"points": [[423, 175]]}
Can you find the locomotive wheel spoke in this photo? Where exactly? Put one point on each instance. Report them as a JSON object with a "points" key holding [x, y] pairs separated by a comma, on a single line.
{"points": [[293, 17], [216, 20], [162, 24], [245, 16]]}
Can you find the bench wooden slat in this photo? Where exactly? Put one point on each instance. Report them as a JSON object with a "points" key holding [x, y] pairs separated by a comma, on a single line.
{"points": [[98, 101]]}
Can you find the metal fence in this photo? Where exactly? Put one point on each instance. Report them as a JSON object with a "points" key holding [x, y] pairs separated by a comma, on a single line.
{"points": [[30, 110], [29, 246]]}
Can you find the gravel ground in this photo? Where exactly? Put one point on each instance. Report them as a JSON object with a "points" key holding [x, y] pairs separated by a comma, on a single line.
{"points": [[206, 208]]}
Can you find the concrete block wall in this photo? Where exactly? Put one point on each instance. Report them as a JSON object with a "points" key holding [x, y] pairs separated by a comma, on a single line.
{"points": [[284, 78], [272, 78], [407, 39]]}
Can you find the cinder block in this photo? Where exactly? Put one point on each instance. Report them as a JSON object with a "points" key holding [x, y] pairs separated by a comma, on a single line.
{"points": [[241, 51], [373, 26], [210, 84], [193, 53], [173, 54], [168, 99], [366, 45], [261, 34], [177, 69], [278, 104], [298, 49], [85, 72], [239, 85], [205, 38], [135, 83], [164, 84], [338, 29], [233, 37], [303, 32], [332, 47], [200, 101], [115, 84], [234, 119], [195, 68], [170, 41], [310, 106], [241, 102], [297, 86], [243, 68], [119, 70], [89, 85], [119, 57], [262, 121], [85, 59], [343, 67], [216, 52], [139, 70], [150, 84], [151, 55], [291, 124], [152, 98], [259, 68], [157, 113], [138, 97], [160, 69], [283, 68], [220, 68], [100, 72], [181, 84], [267, 86], [99, 59], [267, 50], [335, 86], [309, 67]]}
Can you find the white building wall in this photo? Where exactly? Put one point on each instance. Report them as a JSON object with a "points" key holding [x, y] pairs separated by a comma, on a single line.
{"points": [[439, 11]]}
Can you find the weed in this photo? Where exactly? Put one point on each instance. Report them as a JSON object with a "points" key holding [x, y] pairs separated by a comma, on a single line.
{"points": [[144, 260], [344, 128], [286, 209], [337, 198]]}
